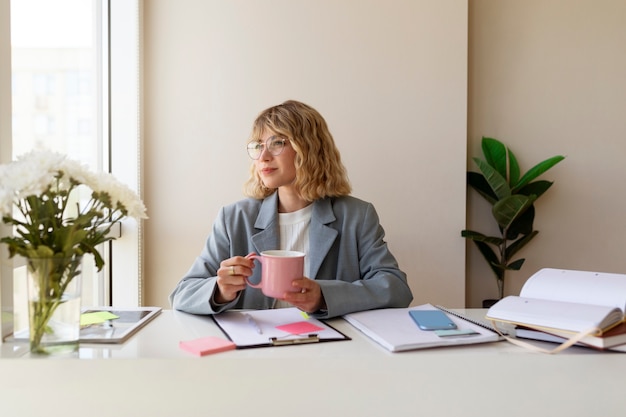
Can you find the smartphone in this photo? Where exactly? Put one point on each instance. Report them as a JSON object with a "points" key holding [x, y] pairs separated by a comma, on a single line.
{"points": [[432, 320]]}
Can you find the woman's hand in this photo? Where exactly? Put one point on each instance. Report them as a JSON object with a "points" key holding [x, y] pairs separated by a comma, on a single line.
{"points": [[309, 297], [231, 278]]}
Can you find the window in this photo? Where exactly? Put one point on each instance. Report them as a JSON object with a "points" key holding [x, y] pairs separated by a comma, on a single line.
{"points": [[75, 81]]}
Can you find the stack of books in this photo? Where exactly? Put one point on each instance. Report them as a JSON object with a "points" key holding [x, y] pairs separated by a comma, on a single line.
{"points": [[561, 305]]}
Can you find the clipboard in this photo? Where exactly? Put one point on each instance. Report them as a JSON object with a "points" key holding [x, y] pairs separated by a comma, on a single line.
{"points": [[275, 327]]}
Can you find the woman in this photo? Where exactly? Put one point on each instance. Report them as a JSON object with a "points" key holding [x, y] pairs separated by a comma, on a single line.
{"points": [[299, 200]]}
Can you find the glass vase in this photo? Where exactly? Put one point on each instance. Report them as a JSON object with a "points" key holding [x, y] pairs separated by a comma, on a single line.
{"points": [[54, 290]]}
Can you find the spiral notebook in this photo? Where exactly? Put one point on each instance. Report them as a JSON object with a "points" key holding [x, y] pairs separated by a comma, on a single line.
{"points": [[394, 329], [482, 323]]}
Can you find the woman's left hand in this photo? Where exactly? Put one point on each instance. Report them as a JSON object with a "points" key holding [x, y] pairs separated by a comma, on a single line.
{"points": [[309, 296]]}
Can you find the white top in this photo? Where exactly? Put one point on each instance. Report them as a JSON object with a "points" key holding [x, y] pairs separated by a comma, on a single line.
{"points": [[294, 235], [294, 232]]}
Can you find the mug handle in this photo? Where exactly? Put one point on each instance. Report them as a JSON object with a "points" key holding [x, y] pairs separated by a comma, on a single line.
{"points": [[254, 256]]}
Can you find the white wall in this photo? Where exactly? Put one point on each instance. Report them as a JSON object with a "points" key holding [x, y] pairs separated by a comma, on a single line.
{"points": [[548, 77], [390, 78]]}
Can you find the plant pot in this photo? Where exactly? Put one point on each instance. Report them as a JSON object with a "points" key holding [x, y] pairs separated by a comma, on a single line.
{"points": [[54, 290], [489, 302]]}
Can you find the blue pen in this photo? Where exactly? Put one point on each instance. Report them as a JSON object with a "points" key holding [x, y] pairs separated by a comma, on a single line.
{"points": [[253, 323]]}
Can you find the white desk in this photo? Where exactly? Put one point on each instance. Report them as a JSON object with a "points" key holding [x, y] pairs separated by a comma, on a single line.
{"points": [[150, 376]]}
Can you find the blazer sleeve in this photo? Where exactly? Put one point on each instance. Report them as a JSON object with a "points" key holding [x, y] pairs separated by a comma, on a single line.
{"points": [[195, 290], [368, 276]]}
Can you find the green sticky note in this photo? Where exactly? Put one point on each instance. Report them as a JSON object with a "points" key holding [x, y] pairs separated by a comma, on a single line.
{"points": [[96, 317], [455, 332]]}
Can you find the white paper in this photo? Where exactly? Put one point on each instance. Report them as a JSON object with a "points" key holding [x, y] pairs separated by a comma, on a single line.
{"points": [[583, 287], [243, 333]]}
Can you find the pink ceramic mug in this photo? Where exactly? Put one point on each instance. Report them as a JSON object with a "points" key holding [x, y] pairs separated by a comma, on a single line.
{"points": [[278, 269]]}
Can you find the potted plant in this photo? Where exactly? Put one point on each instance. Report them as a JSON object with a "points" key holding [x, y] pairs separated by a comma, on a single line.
{"points": [[512, 199]]}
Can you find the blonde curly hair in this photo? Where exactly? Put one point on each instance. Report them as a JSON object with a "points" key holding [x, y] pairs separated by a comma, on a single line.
{"points": [[319, 170]]}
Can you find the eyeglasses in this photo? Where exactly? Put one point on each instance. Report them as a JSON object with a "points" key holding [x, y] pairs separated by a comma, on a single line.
{"points": [[273, 144]]}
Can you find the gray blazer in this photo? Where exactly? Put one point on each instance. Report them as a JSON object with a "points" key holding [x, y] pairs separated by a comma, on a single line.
{"points": [[348, 257]]}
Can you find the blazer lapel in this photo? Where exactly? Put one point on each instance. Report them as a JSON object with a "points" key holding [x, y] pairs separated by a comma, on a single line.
{"points": [[267, 221], [321, 236]]}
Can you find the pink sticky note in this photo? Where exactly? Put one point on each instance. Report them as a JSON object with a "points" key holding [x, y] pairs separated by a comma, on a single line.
{"points": [[300, 327], [205, 345]]}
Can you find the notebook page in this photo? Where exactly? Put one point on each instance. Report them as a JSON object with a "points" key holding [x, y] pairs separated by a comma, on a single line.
{"points": [[583, 287]]}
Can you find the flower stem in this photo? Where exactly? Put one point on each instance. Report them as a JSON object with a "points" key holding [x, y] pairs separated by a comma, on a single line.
{"points": [[49, 278]]}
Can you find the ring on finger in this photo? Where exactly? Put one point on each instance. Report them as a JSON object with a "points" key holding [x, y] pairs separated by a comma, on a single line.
{"points": [[232, 270]]}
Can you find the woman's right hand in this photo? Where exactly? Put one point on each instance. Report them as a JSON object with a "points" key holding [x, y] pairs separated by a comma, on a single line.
{"points": [[231, 278]]}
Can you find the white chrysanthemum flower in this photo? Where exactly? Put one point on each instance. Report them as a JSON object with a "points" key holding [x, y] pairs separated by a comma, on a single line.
{"points": [[35, 171], [77, 171], [119, 194], [7, 192], [31, 174], [46, 176]]}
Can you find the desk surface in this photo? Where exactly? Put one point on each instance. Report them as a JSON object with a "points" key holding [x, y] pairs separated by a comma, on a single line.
{"points": [[150, 375]]}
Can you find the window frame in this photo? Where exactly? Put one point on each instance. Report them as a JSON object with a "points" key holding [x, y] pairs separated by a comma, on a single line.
{"points": [[120, 139], [125, 138]]}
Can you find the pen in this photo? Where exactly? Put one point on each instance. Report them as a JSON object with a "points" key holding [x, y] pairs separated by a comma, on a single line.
{"points": [[253, 323]]}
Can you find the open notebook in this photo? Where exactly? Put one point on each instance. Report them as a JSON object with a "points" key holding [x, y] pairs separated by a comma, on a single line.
{"points": [[568, 307], [565, 300]]}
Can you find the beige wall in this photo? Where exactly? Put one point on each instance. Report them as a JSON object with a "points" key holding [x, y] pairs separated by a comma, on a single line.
{"points": [[547, 78], [390, 78]]}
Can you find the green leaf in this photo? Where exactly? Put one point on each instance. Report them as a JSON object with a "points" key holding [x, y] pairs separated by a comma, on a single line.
{"points": [[537, 188], [496, 181], [514, 170], [537, 170], [99, 261], [478, 182], [516, 265], [519, 244], [522, 225], [495, 155], [510, 208], [479, 237]]}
